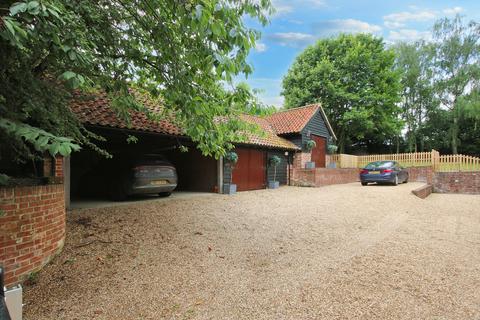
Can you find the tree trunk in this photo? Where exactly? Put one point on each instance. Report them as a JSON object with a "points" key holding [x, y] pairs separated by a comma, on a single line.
{"points": [[455, 134], [341, 142]]}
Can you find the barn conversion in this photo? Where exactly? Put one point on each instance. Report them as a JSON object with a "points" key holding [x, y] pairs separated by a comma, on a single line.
{"points": [[284, 134]]}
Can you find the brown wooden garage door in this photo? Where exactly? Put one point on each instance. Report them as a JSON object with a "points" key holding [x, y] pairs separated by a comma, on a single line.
{"points": [[318, 153], [250, 170]]}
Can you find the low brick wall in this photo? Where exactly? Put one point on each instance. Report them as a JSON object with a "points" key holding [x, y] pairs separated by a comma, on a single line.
{"points": [[420, 174], [457, 182], [327, 176], [423, 191], [302, 177], [32, 228], [323, 176]]}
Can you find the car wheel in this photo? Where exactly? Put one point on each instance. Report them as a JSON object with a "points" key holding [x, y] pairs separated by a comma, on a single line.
{"points": [[395, 181], [164, 194], [364, 183]]}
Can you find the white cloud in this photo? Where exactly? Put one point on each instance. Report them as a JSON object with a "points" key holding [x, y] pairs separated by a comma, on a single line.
{"points": [[408, 35], [276, 101], [291, 39], [260, 47], [281, 8], [453, 11], [332, 27], [398, 20], [284, 7], [269, 90]]}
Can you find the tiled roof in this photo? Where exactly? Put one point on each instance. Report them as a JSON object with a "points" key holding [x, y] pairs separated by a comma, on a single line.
{"points": [[292, 120], [269, 138], [96, 110]]}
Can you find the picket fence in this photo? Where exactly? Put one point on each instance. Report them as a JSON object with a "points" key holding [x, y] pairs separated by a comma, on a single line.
{"points": [[440, 163]]}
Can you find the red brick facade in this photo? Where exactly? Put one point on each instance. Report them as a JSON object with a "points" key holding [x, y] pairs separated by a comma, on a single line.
{"points": [[457, 182], [301, 158], [53, 167], [323, 176], [421, 174], [32, 228]]}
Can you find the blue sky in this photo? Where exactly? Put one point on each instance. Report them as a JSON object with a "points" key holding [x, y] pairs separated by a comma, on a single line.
{"points": [[298, 23]]}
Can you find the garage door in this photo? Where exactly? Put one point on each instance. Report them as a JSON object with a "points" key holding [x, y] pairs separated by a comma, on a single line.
{"points": [[318, 153], [250, 170]]}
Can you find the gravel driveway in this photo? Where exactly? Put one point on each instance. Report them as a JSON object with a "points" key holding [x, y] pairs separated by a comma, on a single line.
{"points": [[337, 252]]}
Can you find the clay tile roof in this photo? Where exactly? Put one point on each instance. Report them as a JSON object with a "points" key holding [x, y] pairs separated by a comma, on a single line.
{"points": [[269, 138], [96, 110], [292, 120]]}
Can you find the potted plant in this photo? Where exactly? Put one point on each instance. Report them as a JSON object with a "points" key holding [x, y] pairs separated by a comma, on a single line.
{"points": [[331, 148], [309, 145], [231, 158], [274, 162]]}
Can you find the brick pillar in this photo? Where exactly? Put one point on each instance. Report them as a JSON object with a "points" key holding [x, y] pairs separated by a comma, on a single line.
{"points": [[58, 167], [47, 166], [300, 159]]}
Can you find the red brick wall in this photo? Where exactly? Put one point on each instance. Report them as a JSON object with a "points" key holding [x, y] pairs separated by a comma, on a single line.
{"points": [[301, 158], [423, 191], [420, 174], [302, 177], [457, 182], [32, 228], [323, 176]]}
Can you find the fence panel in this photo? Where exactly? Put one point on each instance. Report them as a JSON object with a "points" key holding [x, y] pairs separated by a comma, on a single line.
{"points": [[445, 163], [457, 162]]}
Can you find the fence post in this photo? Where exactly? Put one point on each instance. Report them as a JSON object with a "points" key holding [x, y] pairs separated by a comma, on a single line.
{"points": [[435, 159]]}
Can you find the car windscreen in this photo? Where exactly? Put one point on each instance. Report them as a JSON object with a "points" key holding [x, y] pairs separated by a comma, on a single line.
{"points": [[152, 160], [379, 165]]}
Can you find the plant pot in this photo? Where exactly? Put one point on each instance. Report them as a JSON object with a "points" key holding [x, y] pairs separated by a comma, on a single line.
{"points": [[310, 165], [273, 184], [229, 188]]}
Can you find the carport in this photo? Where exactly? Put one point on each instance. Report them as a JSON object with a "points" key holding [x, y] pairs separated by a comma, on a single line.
{"points": [[86, 169], [195, 171], [85, 172]]}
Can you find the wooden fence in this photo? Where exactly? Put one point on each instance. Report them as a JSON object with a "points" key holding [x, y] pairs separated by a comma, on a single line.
{"points": [[445, 163]]}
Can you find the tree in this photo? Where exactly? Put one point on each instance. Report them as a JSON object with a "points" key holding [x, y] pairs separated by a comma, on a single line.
{"points": [[414, 63], [182, 52], [353, 77], [456, 66]]}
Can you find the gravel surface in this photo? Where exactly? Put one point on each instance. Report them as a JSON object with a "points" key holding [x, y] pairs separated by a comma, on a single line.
{"points": [[337, 252]]}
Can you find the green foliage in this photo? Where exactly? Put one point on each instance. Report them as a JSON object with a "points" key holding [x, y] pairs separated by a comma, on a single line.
{"points": [[274, 161], [41, 140], [353, 77], [231, 157], [183, 52], [456, 66], [331, 148], [414, 63], [132, 139], [4, 179], [310, 144]]}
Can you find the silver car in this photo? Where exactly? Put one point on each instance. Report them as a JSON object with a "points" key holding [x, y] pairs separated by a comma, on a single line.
{"points": [[149, 174]]}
